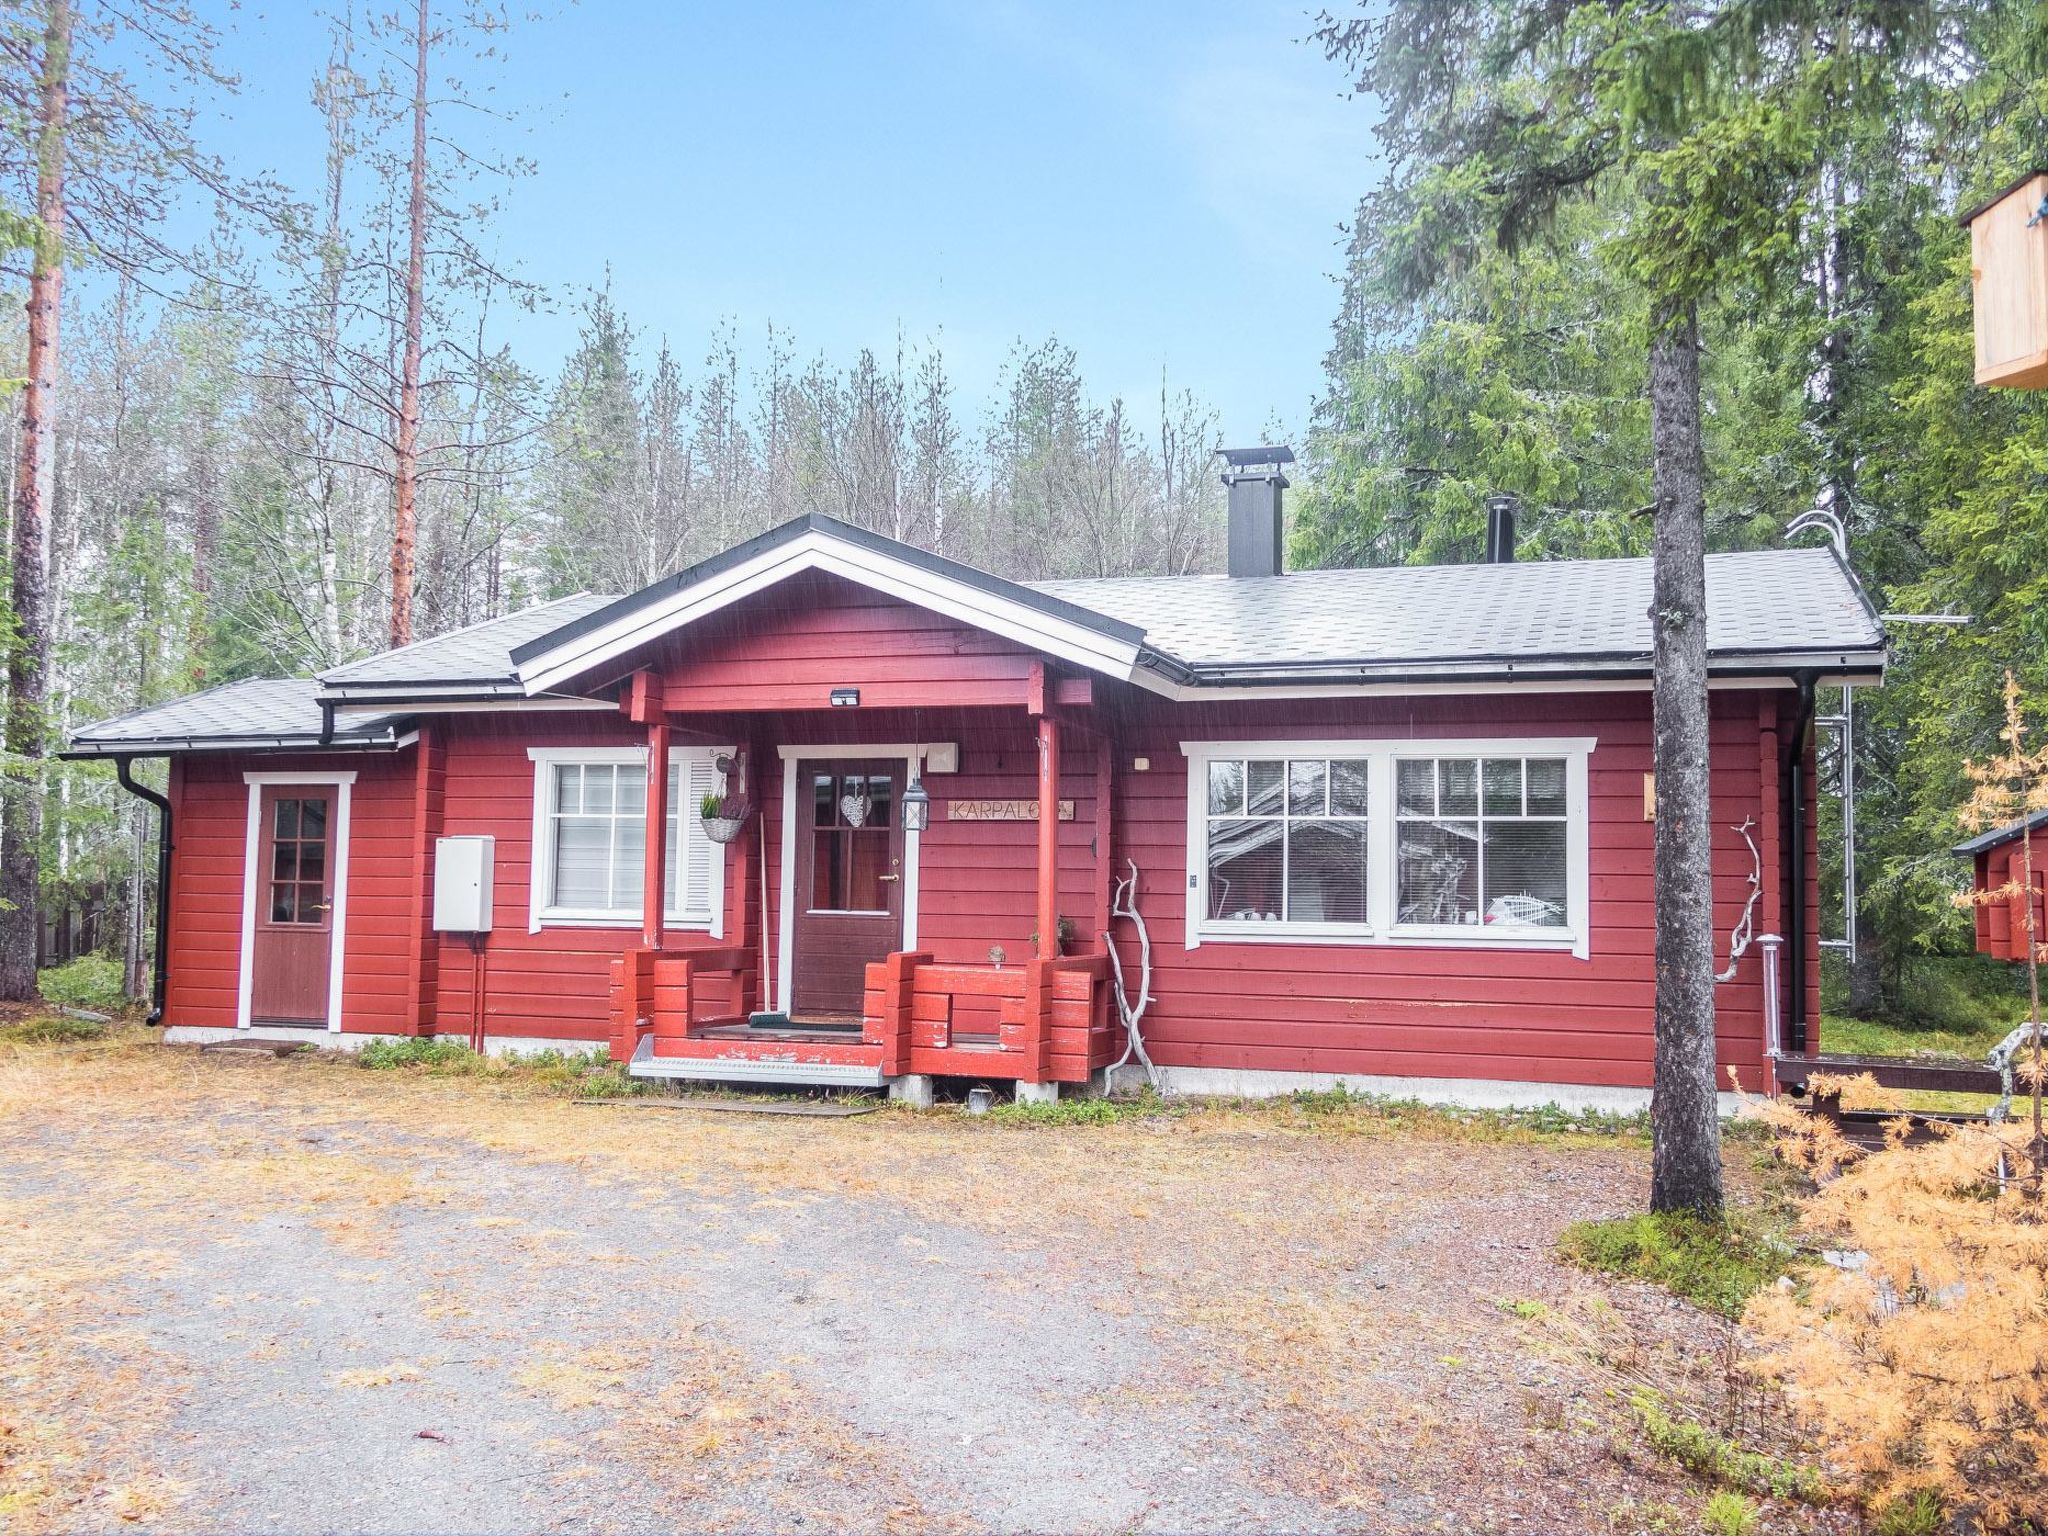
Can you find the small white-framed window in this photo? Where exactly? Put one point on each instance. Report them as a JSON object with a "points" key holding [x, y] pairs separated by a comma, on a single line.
{"points": [[1378, 842], [590, 838]]}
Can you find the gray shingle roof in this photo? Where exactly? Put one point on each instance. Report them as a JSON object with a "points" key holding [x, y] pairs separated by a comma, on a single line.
{"points": [[1766, 602], [1774, 608], [480, 654], [1985, 841], [268, 712]]}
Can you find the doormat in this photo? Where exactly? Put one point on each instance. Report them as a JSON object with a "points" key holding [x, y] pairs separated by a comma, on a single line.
{"points": [[816, 1109]]}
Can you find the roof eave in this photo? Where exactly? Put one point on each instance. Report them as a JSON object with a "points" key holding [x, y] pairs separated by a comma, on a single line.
{"points": [[166, 746], [1856, 665]]}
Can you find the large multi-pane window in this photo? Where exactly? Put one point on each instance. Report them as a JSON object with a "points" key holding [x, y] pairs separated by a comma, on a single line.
{"points": [[1287, 840], [590, 838], [1481, 841], [1388, 842]]}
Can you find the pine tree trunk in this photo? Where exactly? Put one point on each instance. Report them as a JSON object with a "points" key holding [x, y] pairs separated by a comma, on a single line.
{"points": [[405, 522], [28, 651], [1684, 1117]]}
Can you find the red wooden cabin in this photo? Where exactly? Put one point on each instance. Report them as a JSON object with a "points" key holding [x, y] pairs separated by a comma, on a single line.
{"points": [[1998, 861], [1391, 826]]}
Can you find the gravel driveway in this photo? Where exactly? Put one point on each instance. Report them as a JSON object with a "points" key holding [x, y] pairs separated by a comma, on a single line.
{"points": [[299, 1297]]}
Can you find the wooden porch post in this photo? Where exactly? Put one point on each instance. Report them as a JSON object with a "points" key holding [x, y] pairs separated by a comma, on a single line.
{"points": [[1048, 836], [655, 887], [1105, 826]]}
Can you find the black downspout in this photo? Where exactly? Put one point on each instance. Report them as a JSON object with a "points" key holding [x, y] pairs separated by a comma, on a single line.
{"points": [[1795, 907], [160, 981]]}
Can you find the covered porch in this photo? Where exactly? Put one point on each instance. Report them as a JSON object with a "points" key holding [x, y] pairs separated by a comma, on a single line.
{"points": [[879, 890]]}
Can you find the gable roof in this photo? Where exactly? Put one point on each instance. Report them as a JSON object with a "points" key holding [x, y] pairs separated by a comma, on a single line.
{"points": [[1766, 605], [1042, 620], [1983, 842], [261, 713]]}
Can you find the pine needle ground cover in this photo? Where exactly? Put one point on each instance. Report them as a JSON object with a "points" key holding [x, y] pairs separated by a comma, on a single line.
{"points": [[440, 1293]]}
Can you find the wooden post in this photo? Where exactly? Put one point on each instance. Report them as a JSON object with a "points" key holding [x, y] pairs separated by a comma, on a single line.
{"points": [[423, 946], [1048, 836], [656, 884], [1105, 823]]}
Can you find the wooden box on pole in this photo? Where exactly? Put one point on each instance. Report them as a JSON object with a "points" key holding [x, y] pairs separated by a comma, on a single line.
{"points": [[2009, 283]]}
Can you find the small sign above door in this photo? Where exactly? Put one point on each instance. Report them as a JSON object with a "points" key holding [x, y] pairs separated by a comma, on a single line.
{"points": [[1001, 810]]}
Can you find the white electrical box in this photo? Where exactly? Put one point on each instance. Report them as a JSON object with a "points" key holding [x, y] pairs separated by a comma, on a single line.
{"points": [[462, 884]]}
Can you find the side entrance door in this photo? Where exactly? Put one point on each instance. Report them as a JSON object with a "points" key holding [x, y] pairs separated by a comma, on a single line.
{"points": [[849, 882], [292, 946]]}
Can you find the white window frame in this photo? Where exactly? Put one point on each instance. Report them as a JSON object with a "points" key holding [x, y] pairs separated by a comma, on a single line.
{"points": [[1382, 847], [547, 763]]}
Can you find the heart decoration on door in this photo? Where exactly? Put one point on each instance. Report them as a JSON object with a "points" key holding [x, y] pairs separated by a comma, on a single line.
{"points": [[855, 808]]}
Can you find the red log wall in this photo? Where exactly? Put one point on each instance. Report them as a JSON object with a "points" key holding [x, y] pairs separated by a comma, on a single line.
{"points": [[1437, 1012]]}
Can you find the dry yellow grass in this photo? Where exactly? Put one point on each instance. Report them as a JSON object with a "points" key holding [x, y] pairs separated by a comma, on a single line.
{"points": [[1242, 1238]]}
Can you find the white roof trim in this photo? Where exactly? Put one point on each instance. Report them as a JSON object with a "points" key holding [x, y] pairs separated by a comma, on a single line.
{"points": [[815, 551]]}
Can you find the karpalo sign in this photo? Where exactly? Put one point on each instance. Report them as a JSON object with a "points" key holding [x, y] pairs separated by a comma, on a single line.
{"points": [[1001, 810]]}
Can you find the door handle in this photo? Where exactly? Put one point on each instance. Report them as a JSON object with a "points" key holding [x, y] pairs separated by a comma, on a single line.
{"points": [[888, 877]]}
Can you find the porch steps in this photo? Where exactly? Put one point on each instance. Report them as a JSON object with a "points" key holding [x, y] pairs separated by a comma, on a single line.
{"points": [[745, 1069]]}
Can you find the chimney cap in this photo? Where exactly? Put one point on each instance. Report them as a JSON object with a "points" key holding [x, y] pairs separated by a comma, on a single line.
{"points": [[1241, 458]]}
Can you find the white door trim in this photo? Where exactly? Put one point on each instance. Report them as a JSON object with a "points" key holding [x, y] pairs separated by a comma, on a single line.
{"points": [[343, 780], [913, 756]]}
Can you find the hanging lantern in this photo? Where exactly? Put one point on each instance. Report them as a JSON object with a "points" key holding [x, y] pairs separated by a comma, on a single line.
{"points": [[917, 807]]}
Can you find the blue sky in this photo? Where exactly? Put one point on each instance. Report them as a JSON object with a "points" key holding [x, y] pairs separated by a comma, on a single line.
{"points": [[1159, 185]]}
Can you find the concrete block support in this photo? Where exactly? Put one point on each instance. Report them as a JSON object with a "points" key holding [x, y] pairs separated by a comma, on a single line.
{"points": [[1038, 1093], [913, 1088]]}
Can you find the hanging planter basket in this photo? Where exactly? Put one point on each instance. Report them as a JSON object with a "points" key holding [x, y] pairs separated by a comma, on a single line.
{"points": [[725, 817]]}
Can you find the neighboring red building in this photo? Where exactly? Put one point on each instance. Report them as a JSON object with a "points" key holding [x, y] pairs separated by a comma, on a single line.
{"points": [[1999, 859], [1390, 826]]}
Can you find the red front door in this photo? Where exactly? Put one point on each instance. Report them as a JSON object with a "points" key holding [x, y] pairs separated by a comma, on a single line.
{"points": [[849, 882], [294, 937]]}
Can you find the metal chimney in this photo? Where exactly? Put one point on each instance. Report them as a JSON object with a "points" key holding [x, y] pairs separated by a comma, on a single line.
{"points": [[1500, 529], [1257, 526]]}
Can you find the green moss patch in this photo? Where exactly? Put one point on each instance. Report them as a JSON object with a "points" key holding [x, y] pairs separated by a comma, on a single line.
{"points": [[1713, 1264]]}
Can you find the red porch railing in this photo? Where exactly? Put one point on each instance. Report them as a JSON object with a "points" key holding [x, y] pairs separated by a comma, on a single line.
{"points": [[664, 993], [1044, 1021]]}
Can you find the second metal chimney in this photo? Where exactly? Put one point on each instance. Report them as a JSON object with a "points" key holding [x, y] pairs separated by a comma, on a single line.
{"points": [[1500, 529], [1257, 524]]}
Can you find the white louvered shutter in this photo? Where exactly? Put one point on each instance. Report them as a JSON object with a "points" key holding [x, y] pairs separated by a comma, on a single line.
{"points": [[695, 863]]}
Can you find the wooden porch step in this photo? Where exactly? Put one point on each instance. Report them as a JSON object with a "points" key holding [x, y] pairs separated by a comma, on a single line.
{"points": [[709, 1067]]}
